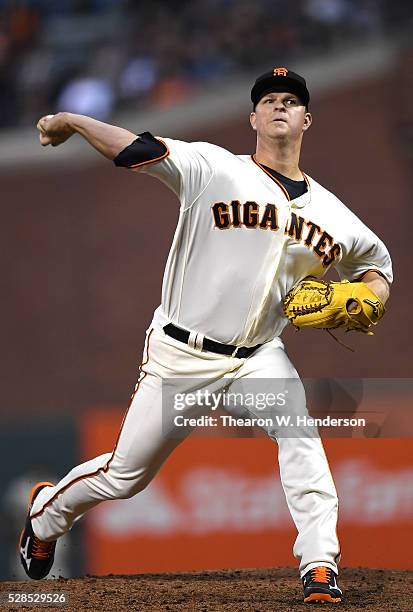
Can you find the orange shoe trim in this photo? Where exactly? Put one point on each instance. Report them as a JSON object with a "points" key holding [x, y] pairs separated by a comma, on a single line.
{"points": [[34, 489], [42, 550], [32, 492], [320, 574], [322, 597]]}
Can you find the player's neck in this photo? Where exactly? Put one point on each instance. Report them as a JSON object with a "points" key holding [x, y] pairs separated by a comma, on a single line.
{"points": [[283, 159]]}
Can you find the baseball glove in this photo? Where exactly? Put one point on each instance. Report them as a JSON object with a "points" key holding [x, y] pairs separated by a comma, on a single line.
{"points": [[328, 305]]}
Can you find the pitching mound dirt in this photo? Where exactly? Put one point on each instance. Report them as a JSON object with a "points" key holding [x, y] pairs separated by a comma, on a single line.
{"points": [[275, 590]]}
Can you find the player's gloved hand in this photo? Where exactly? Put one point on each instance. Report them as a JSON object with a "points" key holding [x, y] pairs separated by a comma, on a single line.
{"points": [[328, 305], [54, 129]]}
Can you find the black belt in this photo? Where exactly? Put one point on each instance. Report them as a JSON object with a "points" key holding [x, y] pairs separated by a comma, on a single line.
{"points": [[210, 345]]}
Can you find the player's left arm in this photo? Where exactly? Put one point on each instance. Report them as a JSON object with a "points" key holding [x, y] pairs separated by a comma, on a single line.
{"points": [[378, 284], [366, 258]]}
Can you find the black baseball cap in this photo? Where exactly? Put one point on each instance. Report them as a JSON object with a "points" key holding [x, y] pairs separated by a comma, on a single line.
{"points": [[280, 79]]}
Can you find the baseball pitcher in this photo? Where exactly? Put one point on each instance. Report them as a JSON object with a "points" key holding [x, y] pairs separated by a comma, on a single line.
{"points": [[255, 236]]}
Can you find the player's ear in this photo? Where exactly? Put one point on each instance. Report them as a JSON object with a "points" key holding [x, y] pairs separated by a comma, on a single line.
{"points": [[308, 119], [253, 120]]}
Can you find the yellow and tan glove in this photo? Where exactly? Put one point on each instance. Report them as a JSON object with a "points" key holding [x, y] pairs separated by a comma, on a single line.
{"points": [[328, 305]]}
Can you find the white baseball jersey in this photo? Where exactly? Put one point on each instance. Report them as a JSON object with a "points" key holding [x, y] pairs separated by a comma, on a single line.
{"points": [[241, 244]]}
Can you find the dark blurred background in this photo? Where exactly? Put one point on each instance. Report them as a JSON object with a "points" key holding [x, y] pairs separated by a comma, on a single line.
{"points": [[100, 56], [83, 244]]}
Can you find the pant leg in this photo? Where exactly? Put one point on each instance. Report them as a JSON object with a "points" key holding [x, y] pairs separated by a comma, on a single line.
{"points": [[305, 474], [146, 439], [140, 451]]}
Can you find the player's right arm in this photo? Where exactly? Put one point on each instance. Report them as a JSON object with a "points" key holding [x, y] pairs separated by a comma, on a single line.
{"points": [[180, 165], [108, 139]]}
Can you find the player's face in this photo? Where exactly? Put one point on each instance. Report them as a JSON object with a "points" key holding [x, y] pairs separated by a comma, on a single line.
{"points": [[280, 115]]}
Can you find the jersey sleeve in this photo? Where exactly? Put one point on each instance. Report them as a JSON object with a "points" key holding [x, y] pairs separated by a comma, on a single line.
{"points": [[367, 252], [181, 166]]}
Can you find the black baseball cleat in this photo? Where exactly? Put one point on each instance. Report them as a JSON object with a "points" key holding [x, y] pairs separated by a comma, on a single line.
{"points": [[320, 586], [36, 555]]}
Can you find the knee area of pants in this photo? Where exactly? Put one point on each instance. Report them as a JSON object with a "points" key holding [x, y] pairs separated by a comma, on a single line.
{"points": [[131, 490], [126, 488]]}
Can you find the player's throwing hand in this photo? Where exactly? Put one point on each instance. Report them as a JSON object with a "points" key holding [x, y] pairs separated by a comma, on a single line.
{"points": [[54, 129]]}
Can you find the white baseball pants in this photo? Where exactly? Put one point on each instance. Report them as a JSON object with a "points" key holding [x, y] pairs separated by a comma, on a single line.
{"points": [[143, 445]]}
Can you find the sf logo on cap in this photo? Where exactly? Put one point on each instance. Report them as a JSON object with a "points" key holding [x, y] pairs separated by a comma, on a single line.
{"points": [[280, 71]]}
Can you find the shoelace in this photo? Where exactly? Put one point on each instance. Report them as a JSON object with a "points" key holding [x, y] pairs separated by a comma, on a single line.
{"points": [[321, 574], [41, 550]]}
